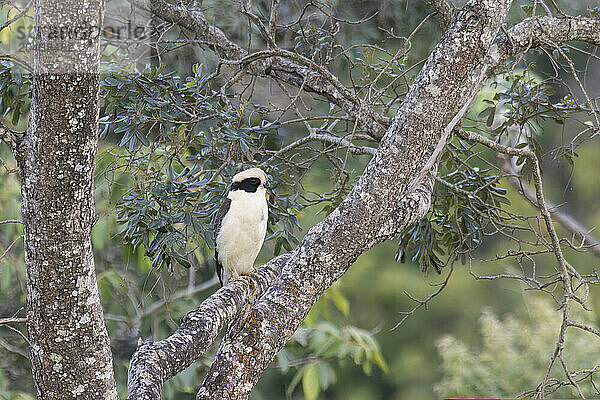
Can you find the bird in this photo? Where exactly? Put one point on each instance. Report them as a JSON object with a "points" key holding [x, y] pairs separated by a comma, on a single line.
{"points": [[240, 225]]}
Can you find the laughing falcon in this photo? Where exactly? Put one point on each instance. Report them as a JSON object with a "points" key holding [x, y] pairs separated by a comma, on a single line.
{"points": [[240, 225]]}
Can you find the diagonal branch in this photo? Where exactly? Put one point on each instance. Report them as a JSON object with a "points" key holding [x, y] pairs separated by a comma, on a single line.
{"points": [[312, 267], [370, 214], [155, 362]]}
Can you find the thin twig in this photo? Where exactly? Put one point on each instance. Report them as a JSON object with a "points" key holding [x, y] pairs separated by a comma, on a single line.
{"points": [[17, 17], [10, 246], [423, 303], [12, 320]]}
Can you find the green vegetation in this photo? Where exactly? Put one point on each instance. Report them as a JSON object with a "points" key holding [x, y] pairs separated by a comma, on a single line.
{"points": [[513, 353]]}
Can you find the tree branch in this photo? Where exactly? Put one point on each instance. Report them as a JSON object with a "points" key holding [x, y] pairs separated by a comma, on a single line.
{"points": [[9, 248], [273, 19], [4, 321], [14, 349], [529, 34], [189, 291], [17, 16], [153, 363], [11, 221], [409, 210], [564, 267], [370, 213], [275, 64]]}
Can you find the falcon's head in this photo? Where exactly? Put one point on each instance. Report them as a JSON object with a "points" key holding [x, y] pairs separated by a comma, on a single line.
{"points": [[249, 180]]}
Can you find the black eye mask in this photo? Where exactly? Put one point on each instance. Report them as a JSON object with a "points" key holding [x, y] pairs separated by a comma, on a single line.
{"points": [[249, 185]]}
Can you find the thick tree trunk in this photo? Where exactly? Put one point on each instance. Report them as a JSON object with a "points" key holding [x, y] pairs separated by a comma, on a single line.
{"points": [[70, 348]]}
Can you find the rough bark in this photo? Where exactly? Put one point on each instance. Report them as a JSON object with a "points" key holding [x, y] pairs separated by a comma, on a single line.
{"points": [[448, 81], [444, 12], [546, 30], [155, 362], [69, 346], [370, 214], [57, 156]]}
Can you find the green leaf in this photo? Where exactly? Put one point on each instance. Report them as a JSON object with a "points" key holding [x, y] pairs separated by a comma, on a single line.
{"points": [[490, 119], [142, 138], [340, 302], [310, 382], [378, 359], [293, 383], [182, 260], [277, 248]]}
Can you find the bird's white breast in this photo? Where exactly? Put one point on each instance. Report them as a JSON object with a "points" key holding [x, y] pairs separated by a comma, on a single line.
{"points": [[242, 231]]}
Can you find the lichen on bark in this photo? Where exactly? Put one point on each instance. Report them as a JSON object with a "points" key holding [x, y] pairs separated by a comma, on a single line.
{"points": [[70, 348]]}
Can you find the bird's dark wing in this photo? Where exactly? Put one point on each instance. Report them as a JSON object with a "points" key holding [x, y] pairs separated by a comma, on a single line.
{"points": [[217, 227]]}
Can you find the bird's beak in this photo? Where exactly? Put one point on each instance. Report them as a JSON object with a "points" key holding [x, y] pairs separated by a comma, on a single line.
{"points": [[264, 185]]}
